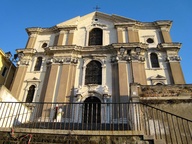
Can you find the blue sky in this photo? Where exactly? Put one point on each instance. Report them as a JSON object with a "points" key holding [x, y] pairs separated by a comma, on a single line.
{"points": [[16, 15]]}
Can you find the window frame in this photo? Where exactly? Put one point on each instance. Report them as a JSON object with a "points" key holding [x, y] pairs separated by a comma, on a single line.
{"points": [[95, 37], [38, 64], [154, 60], [91, 76], [30, 94]]}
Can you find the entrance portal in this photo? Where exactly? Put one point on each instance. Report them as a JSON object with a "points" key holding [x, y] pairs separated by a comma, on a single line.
{"points": [[92, 110]]}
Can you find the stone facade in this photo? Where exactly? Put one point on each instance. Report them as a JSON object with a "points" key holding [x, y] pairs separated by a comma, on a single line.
{"points": [[88, 70], [56, 59]]}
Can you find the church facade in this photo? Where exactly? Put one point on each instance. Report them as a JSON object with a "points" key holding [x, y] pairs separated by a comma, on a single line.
{"points": [[95, 58]]}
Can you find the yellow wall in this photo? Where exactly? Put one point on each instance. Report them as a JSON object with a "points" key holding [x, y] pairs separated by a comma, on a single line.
{"points": [[6, 63]]}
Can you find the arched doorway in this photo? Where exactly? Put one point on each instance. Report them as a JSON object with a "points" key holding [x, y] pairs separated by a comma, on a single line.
{"points": [[92, 110]]}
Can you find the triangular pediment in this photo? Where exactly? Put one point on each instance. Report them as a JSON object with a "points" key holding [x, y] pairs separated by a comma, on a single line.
{"points": [[99, 15], [118, 18], [72, 21]]}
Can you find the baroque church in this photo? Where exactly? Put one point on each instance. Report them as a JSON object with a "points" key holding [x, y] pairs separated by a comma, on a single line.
{"points": [[104, 77], [98, 56]]}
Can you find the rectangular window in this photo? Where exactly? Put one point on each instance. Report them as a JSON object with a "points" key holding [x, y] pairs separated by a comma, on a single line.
{"points": [[4, 71]]}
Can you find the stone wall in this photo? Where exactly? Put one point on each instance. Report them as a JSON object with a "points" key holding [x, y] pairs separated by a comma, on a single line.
{"points": [[72, 139], [177, 107]]}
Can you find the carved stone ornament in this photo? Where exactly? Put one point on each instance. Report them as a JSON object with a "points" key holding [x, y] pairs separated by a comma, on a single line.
{"points": [[62, 60], [105, 90], [23, 62], [173, 58], [128, 58]]}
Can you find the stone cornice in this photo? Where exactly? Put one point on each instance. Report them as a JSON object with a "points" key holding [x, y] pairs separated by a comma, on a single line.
{"points": [[130, 45], [174, 45], [61, 49], [164, 24], [37, 30], [161, 24]]}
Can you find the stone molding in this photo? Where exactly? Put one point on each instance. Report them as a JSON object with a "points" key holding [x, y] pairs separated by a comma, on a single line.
{"points": [[61, 60]]}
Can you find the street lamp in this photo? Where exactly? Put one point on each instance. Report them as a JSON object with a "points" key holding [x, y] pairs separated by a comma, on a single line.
{"points": [[15, 58]]}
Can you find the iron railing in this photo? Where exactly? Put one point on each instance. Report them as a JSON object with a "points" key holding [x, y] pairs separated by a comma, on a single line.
{"points": [[98, 117]]}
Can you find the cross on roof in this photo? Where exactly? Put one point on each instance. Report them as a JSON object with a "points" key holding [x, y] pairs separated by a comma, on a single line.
{"points": [[97, 8]]}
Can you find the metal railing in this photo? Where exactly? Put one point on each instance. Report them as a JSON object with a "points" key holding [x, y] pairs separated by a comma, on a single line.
{"points": [[98, 117]]}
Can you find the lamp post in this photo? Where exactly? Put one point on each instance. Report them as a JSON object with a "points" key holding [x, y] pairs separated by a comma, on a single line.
{"points": [[8, 55]]}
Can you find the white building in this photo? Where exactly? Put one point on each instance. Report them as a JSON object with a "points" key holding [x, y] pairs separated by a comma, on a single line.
{"points": [[94, 58]]}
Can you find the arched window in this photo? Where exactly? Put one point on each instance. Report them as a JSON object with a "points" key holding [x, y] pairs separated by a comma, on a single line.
{"points": [[38, 64], [93, 73], [96, 37], [154, 60], [30, 94]]}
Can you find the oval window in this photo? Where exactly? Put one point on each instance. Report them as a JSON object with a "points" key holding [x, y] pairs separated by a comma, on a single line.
{"points": [[44, 45], [150, 40]]}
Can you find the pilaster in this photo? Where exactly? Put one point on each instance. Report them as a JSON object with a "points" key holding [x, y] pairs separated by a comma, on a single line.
{"points": [[177, 73], [31, 41], [139, 72], [119, 35], [66, 83], [133, 35], [115, 83], [123, 81], [60, 38], [166, 35], [51, 83], [70, 37], [18, 81]]}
